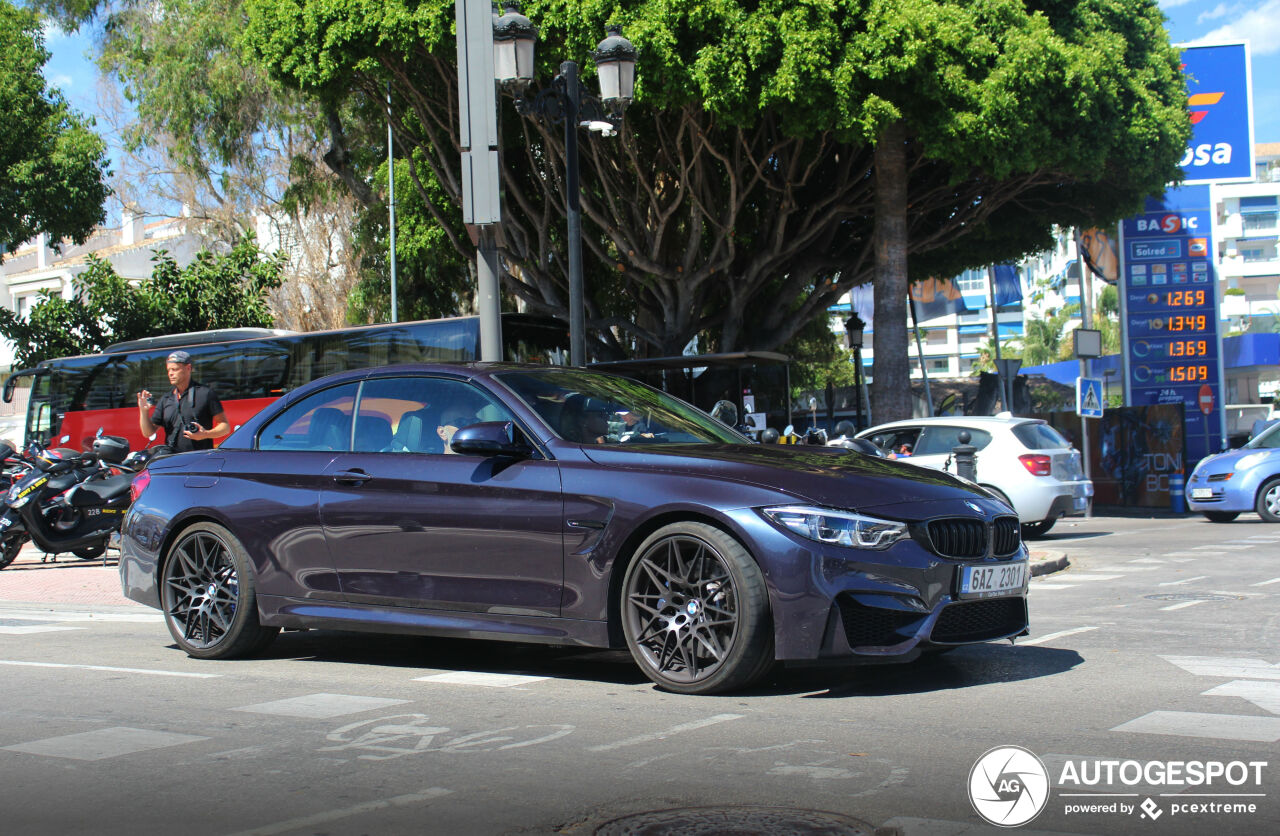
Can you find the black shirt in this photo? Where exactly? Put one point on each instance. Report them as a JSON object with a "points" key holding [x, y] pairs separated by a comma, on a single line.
{"points": [[199, 404]]}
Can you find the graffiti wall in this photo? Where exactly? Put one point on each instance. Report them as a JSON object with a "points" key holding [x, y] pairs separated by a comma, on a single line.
{"points": [[1134, 451]]}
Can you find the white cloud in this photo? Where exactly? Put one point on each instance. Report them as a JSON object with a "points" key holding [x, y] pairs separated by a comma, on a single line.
{"points": [[1220, 10], [1260, 26], [62, 82], [52, 32], [1173, 4]]}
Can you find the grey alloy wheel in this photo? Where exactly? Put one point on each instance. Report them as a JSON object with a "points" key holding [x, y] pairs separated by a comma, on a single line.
{"points": [[695, 611]]}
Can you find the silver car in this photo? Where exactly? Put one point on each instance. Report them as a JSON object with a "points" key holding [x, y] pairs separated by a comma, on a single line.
{"points": [[1023, 461]]}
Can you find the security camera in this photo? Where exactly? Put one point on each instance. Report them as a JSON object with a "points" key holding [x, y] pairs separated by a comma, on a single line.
{"points": [[605, 128]]}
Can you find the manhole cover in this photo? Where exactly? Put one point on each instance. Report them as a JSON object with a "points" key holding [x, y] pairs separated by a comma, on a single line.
{"points": [[1192, 596], [738, 821]]}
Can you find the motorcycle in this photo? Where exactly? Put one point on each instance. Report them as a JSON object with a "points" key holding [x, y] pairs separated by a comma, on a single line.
{"points": [[69, 504]]}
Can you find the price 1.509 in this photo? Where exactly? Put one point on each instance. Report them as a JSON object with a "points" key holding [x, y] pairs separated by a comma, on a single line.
{"points": [[1188, 374]]}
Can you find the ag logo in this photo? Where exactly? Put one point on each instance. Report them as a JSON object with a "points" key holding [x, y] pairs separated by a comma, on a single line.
{"points": [[1008, 786]]}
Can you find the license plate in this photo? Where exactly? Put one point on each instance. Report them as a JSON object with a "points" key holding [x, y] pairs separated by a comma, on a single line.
{"points": [[993, 579], [1202, 493]]}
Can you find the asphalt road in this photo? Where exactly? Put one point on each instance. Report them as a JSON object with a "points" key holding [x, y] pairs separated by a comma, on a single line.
{"points": [[1159, 643]]}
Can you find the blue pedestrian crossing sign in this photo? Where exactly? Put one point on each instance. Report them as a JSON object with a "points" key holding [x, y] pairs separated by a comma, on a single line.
{"points": [[1088, 397]]}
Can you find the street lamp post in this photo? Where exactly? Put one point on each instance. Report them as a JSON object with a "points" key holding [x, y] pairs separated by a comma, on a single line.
{"points": [[853, 328], [567, 101]]}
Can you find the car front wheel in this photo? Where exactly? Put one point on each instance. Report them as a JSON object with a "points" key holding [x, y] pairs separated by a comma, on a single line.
{"points": [[208, 595], [1268, 506], [695, 611]]}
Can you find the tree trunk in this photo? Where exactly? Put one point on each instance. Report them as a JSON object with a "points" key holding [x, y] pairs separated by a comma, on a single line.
{"points": [[891, 368]]}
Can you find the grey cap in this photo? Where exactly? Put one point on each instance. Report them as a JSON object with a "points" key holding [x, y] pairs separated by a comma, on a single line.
{"points": [[180, 357]]}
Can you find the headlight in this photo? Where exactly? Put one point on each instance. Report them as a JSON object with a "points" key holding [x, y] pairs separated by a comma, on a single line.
{"points": [[841, 528], [1251, 460]]}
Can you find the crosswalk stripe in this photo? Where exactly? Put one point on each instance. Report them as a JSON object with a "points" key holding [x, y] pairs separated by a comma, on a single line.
{"points": [[1196, 724], [1058, 635]]}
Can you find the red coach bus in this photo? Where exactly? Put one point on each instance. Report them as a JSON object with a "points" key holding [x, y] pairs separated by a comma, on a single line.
{"points": [[250, 367]]}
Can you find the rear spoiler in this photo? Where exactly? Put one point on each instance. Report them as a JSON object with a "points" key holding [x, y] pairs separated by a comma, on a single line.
{"points": [[12, 382]]}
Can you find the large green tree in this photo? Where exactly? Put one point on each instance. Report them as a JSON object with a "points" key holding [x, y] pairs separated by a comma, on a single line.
{"points": [[227, 290], [779, 152], [52, 165]]}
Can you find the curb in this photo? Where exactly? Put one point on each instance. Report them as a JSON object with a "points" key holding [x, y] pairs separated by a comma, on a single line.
{"points": [[1044, 562]]}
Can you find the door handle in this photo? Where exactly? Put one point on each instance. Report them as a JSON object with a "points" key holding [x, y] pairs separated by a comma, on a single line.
{"points": [[358, 477]]}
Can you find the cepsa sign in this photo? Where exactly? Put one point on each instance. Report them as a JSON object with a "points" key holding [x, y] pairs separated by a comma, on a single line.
{"points": [[1220, 104]]}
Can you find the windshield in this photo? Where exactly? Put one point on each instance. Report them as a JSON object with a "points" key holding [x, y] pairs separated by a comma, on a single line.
{"points": [[593, 408], [1268, 438]]}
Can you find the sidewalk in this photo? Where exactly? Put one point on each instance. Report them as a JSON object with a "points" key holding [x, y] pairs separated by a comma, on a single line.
{"points": [[64, 579], [69, 580]]}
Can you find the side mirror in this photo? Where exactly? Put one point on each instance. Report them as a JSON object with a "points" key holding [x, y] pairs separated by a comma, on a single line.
{"points": [[490, 438]]}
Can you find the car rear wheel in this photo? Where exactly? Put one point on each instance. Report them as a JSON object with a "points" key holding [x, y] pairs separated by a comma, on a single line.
{"points": [[695, 611], [1268, 506], [1221, 516], [208, 595], [1030, 531]]}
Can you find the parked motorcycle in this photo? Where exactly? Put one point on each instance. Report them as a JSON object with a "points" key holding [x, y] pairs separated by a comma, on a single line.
{"points": [[71, 504]]}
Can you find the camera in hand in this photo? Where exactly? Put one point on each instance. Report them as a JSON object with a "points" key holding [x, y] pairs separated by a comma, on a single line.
{"points": [[151, 400], [191, 427]]}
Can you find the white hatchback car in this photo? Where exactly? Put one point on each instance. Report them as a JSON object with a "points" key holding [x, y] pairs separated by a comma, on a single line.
{"points": [[1023, 461]]}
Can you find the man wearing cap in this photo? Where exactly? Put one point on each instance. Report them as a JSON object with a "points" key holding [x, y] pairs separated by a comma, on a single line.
{"points": [[185, 412]]}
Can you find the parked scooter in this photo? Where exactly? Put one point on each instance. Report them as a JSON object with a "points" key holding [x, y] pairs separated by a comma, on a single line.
{"points": [[70, 504]]}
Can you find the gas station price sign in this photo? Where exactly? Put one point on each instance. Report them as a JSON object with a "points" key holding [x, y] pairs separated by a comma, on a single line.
{"points": [[1170, 311]]}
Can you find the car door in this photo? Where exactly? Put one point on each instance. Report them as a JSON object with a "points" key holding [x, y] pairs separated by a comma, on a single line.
{"points": [[277, 490], [411, 525]]}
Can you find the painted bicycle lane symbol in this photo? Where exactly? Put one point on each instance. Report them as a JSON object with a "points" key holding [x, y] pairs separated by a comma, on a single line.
{"points": [[400, 735]]}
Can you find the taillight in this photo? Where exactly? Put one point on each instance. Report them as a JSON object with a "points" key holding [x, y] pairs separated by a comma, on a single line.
{"points": [[1036, 465], [138, 485]]}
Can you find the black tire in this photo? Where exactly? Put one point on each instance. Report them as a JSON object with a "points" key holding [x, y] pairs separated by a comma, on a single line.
{"points": [[1031, 531], [90, 552], [1000, 495], [695, 611], [9, 549], [1268, 504], [1221, 516], [208, 594]]}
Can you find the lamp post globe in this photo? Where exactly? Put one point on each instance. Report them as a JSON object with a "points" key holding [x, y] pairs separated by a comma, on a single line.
{"points": [[616, 63], [514, 36]]}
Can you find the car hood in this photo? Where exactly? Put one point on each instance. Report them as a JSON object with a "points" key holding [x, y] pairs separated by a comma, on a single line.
{"points": [[1226, 461], [826, 476]]}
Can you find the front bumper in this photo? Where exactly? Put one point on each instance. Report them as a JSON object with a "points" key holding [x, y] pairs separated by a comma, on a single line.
{"points": [[851, 604]]}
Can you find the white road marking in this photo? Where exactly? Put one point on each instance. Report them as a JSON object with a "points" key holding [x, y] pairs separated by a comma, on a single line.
{"points": [[1182, 554], [1265, 695], [29, 629], [1179, 583], [1266, 583], [103, 743], [487, 680], [144, 616], [107, 668], [1147, 560], [1059, 635], [1227, 667], [663, 735], [319, 706], [1197, 724], [1043, 585], [1132, 568], [1181, 606], [1221, 546], [307, 822], [1085, 576]]}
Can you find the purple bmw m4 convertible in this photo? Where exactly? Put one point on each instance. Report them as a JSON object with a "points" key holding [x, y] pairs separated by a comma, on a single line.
{"points": [[563, 506]]}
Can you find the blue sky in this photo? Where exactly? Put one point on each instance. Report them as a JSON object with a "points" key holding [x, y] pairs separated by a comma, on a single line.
{"points": [[1190, 22]]}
